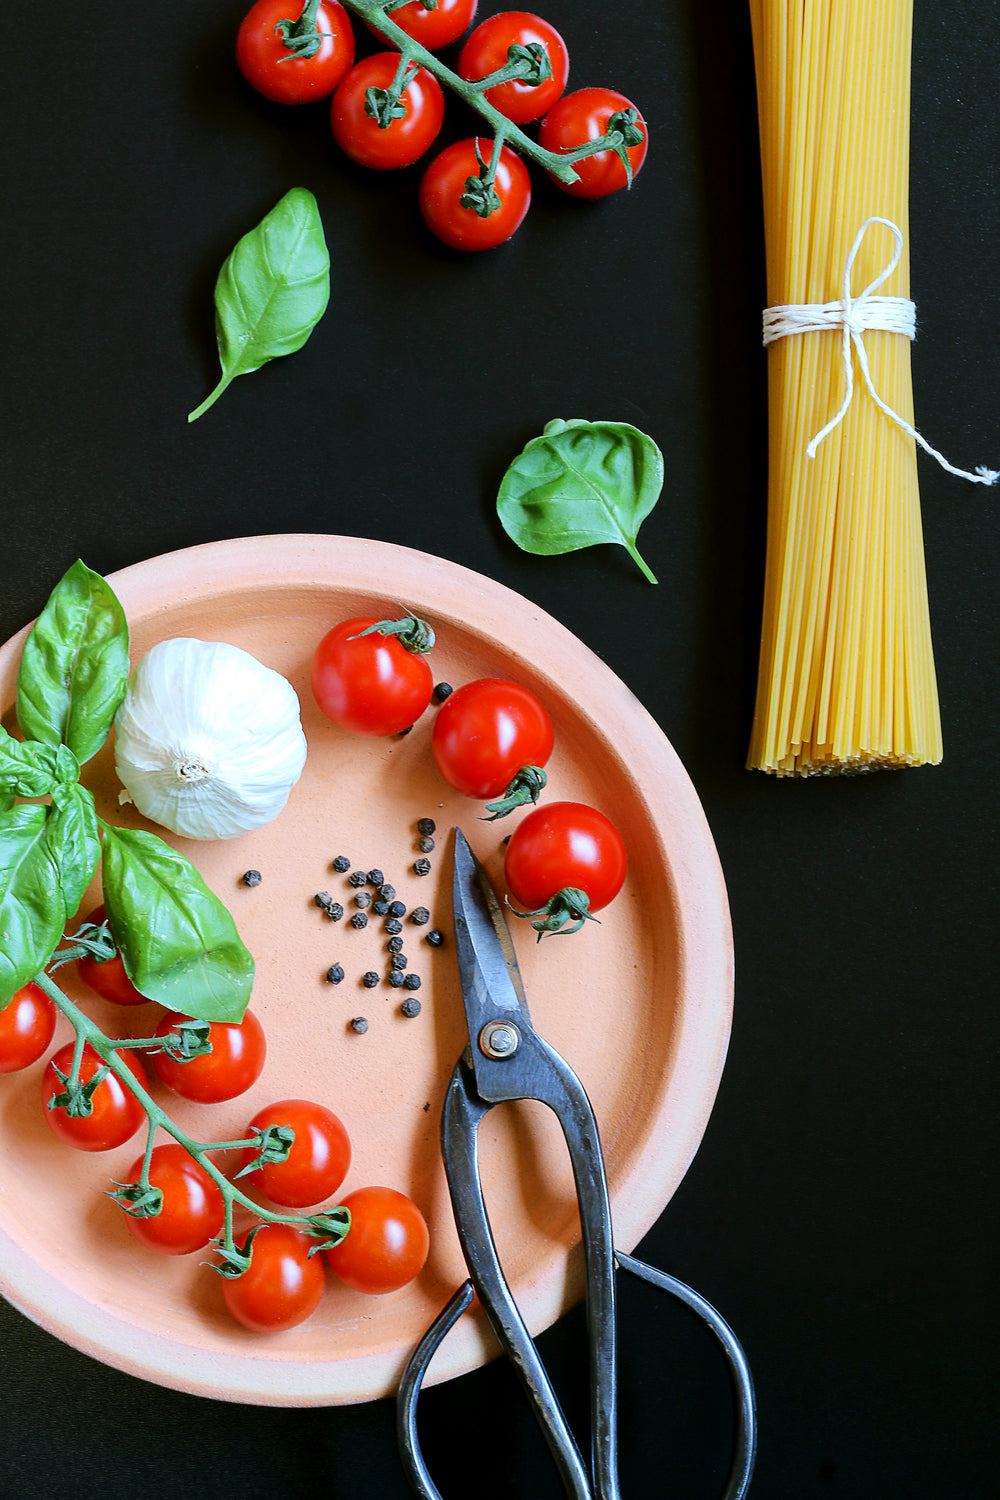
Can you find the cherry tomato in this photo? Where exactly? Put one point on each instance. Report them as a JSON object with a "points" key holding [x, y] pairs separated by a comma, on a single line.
{"points": [[283, 1285], [26, 1028], [116, 1114], [233, 1065], [402, 141], [318, 1161], [386, 1245], [193, 1211], [108, 979], [443, 186], [486, 731], [565, 846], [433, 28], [273, 68], [486, 51], [584, 116], [369, 684]]}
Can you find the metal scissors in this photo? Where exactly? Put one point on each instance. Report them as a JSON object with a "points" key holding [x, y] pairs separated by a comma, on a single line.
{"points": [[506, 1059]]}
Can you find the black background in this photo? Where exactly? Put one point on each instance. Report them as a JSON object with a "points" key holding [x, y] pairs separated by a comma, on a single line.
{"points": [[842, 1209]]}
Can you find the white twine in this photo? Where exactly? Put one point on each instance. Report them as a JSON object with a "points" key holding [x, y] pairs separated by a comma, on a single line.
{"points": [[853, 315]]}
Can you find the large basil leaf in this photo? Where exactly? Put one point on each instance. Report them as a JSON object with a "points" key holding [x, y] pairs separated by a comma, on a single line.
{"points": [[74, 667], [178, 941], [73, 837], [581, 483], [31, 903], [272, 290]]}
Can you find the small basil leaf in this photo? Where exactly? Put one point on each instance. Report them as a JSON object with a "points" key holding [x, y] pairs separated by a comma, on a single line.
{"points": [[581, 483], [74, 840], [31, 905], [74, 667], [27, 769], [179, 943], [272, 290]]}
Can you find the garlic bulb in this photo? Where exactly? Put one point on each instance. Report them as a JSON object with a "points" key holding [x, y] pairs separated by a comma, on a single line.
{"points": [[208, 740]]}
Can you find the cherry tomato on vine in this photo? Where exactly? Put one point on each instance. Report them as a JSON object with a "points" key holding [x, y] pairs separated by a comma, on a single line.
{"points": [[487, 48], [317, 1163], [486, 732], [433, 28], [282, 1287], [560, 847], [193, 1211], [108, 979], [444, 184], [115, 1115], [584, 116], [233, 1065], [273, 68], [403, 140], [386, 1245], [370, 684], [26, 1028]]}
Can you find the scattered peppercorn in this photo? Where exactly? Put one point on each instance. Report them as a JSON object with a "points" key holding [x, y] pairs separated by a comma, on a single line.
{"points": [[419, 916], [342, 864], [362, 899], [386, 892], [397, 909], [334, 974], [393, 925], [421, 867], [359, 920], [356, 878], [323, 899], [435, 937], [375, 877], [442, 691], [380, 908], [426, 825], [335, 911], [395, 945], [360, 1025], [251, 878], [370, 979], [410, 1007], [398, 961], [412, 981], [395, 978], [425, 844]]}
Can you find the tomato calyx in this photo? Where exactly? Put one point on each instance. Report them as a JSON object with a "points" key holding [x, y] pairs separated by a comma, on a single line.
{"points": [[386, 105], [527, 63], [93, 940], [301, 37], [526, 786], [140, 1200], [568, 905], [412, 633], [480, 195], [77, 1097], [622, 132], [398, 5], [273, 1144], [184, 1042]]}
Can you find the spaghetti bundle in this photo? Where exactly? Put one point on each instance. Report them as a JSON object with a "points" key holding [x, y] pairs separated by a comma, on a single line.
{"points": [[846, 679]]}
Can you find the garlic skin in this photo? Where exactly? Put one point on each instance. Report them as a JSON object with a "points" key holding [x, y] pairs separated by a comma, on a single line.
{"points": [[208, 740]]}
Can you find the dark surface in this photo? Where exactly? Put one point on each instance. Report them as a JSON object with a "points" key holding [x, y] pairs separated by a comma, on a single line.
{"points": [[842, 1209]]}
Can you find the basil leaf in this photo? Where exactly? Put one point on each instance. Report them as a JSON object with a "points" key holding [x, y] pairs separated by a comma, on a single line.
{"points": [[272, 290], [74, 840], [179, 943], [32, 915], [581, 483], [74, 667]]}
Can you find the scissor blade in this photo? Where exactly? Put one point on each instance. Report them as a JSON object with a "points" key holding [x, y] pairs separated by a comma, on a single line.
{"points": [[487, 964]]}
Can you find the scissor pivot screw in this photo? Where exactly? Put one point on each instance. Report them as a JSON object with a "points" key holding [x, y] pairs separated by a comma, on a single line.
{"points": [[499, 1039]]}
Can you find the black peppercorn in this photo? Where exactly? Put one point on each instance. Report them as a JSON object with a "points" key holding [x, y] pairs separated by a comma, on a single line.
{"points": [[421, 867], [412, 981], [323, 899], [334, 974], [356, 878], [380, 908], [386, 892], [410, 1007], [398, 961], [442, 691], [334, 911], [375, 877], [359, 920], [395, 978], [395, 945], [419, 916], [397, 909], [362, 899], [426, 826], [342, 864], [435, 937], [425, 844], [393, 926], [251, 878], [369, 980], [359, 1024]]}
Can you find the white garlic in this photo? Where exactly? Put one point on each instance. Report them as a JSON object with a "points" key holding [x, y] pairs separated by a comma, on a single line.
{"points": [[208, 741]]}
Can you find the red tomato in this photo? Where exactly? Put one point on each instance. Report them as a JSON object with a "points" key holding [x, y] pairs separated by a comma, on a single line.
{"points": [[486, 51], [565, 846], [26, 1027], [272, 67], [402, 141], [108, 979], [369, 684], [193, 1210], [116, 1114], [486, 731], [444, 185], [433, 28], [318, 1161], [584, 116], [386, 1245], [233, 1065], [283, 1285]]}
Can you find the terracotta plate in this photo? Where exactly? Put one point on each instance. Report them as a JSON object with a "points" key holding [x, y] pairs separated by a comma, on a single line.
{"points": [[640, 1005]]}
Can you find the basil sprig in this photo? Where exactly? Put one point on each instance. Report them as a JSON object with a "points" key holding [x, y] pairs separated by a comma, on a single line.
{"points": [[272, 290], [581, 483], [178, 942]]}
